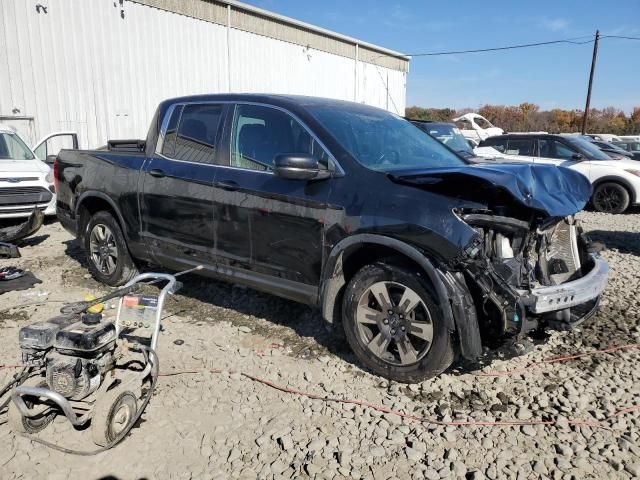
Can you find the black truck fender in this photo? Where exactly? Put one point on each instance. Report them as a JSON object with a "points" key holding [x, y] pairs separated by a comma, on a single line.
{"points": [[458, 310], [92, 194]]}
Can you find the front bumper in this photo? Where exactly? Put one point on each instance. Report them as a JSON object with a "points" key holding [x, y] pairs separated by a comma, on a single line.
{"points": [[570, 294]]}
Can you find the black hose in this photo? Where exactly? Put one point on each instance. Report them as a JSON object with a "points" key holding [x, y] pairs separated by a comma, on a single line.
{"points": [[17, 379], [155, 370]]}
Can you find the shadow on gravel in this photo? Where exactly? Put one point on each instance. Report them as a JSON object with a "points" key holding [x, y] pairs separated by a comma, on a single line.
{"points": [[626, 242], [199, 296], [75, 251]]}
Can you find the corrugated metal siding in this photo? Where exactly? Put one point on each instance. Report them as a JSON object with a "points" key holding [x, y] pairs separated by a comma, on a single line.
{"points": [[83, 66]]}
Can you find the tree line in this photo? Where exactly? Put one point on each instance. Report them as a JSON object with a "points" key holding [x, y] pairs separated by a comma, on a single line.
{"points": [[528, 117]]}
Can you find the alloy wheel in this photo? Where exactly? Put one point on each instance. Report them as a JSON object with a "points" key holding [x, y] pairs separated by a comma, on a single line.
{"points": [[103, 249], [394, 323], [607, 199]]}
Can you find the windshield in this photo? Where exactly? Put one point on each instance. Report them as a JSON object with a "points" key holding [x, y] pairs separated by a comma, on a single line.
{"points": [[593, 152], [450, 135], [382, 141], [611, 146], [13, 148]]}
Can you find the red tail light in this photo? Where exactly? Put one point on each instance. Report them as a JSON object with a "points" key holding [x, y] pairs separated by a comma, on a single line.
{"points": [[55, 174]]}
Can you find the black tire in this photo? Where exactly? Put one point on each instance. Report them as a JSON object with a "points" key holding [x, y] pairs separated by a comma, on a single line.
{"points": [[610, 197], [111, 263], [431, 357], [112, 414], [20, 424]]}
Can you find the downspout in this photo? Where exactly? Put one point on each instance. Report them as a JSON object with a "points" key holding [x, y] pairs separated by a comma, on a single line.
{"points": [[228, 48], [355, 86]]}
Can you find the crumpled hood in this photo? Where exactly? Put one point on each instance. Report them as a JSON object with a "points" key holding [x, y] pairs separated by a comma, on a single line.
{"points": [[555, 191]]}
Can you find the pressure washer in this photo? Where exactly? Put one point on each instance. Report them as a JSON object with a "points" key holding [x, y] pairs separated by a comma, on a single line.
{"points": [[91, 366]]}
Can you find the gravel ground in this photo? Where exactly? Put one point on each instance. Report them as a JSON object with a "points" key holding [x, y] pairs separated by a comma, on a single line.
{"points": [[227, 426]]}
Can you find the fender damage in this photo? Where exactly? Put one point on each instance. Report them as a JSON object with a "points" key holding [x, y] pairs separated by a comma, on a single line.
{"points": [[529, 264]]}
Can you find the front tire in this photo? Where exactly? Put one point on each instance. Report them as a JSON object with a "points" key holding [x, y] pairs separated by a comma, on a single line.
{"points": [[29, 425], [394, 325], [107, 253], [610, 197]]}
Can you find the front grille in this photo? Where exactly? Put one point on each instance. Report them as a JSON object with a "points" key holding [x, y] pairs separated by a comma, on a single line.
{"points": [[5, 191], [18, 180], [24, 196]]}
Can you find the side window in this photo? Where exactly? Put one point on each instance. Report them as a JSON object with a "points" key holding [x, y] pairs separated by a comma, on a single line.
{"points": [[196, 135], [563, 151], [261, 133], [168, 147], [498, 144], [464, 124], [544, 148], [520, 147]]}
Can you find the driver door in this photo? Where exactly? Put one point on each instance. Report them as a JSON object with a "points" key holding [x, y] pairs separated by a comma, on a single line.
{"points": [[269, 230]]}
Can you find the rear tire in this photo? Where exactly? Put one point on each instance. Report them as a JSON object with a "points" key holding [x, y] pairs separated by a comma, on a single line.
{"points": [[108, 256], [610, 197], [394, 325], [113, 413]]}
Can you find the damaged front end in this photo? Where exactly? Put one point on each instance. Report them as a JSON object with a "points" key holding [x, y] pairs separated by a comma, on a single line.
{"points": [[528, 264], [529, 274]]}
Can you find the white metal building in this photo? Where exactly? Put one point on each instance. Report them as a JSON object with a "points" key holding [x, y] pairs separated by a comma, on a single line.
{"points": [[100, 67]]}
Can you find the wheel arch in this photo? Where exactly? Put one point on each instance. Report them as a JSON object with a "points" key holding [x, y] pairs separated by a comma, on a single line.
{"points": [[353, 252], [91, 202]]}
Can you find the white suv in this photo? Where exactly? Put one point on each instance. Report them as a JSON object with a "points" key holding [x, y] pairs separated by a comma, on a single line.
{"points": [[616, 183], [26, 181]]}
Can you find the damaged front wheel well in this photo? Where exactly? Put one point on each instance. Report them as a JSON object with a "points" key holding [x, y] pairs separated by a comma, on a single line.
{"points": [[345, 262]]}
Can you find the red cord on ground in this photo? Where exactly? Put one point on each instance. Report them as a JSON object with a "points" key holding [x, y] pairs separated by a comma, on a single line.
{"points": [[458, 423], [564, 358]]}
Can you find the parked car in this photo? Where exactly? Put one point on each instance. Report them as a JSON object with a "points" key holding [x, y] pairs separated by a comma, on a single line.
{"points": [[611, 149], [603, 137], [447, 134], [475, 127], [616, 183], [630, 146], [410, 249], [26, 182]]}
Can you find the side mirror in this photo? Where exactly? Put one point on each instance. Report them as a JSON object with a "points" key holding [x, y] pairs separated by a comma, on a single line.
{"points": [[50, 160], [577, 157], [298, 167]]}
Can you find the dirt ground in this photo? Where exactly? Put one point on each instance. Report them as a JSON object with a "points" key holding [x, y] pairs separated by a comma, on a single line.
{"points": [[228, 426]]}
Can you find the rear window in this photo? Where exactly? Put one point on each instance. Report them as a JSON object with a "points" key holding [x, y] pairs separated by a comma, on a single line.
{"points": [[499, 144], [520, 147], [191, 133]]}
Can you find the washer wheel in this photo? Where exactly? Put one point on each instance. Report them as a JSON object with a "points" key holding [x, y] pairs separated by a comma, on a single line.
{"points": [[113, 412], [20, 424]]}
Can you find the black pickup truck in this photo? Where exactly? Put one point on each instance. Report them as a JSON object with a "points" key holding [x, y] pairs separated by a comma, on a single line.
{"points": [[414, 252]]}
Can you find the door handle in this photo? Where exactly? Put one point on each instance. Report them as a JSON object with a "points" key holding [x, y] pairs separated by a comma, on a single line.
{"points": [[228, 185], [156, 172]]}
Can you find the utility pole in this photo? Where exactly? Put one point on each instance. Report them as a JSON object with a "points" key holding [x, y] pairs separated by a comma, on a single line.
{"points": [[585, 117]]}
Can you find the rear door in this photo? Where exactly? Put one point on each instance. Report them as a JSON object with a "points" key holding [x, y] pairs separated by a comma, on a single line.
{"points": [[176, 200], [270, 230]]}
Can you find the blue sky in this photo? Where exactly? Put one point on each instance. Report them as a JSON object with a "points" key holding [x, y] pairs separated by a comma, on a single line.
{"points": [[550, 76]]}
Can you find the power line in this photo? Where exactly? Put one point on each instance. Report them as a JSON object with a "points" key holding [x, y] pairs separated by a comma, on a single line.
{"points": [[620, 36], [509, 47], [573, 41]]}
